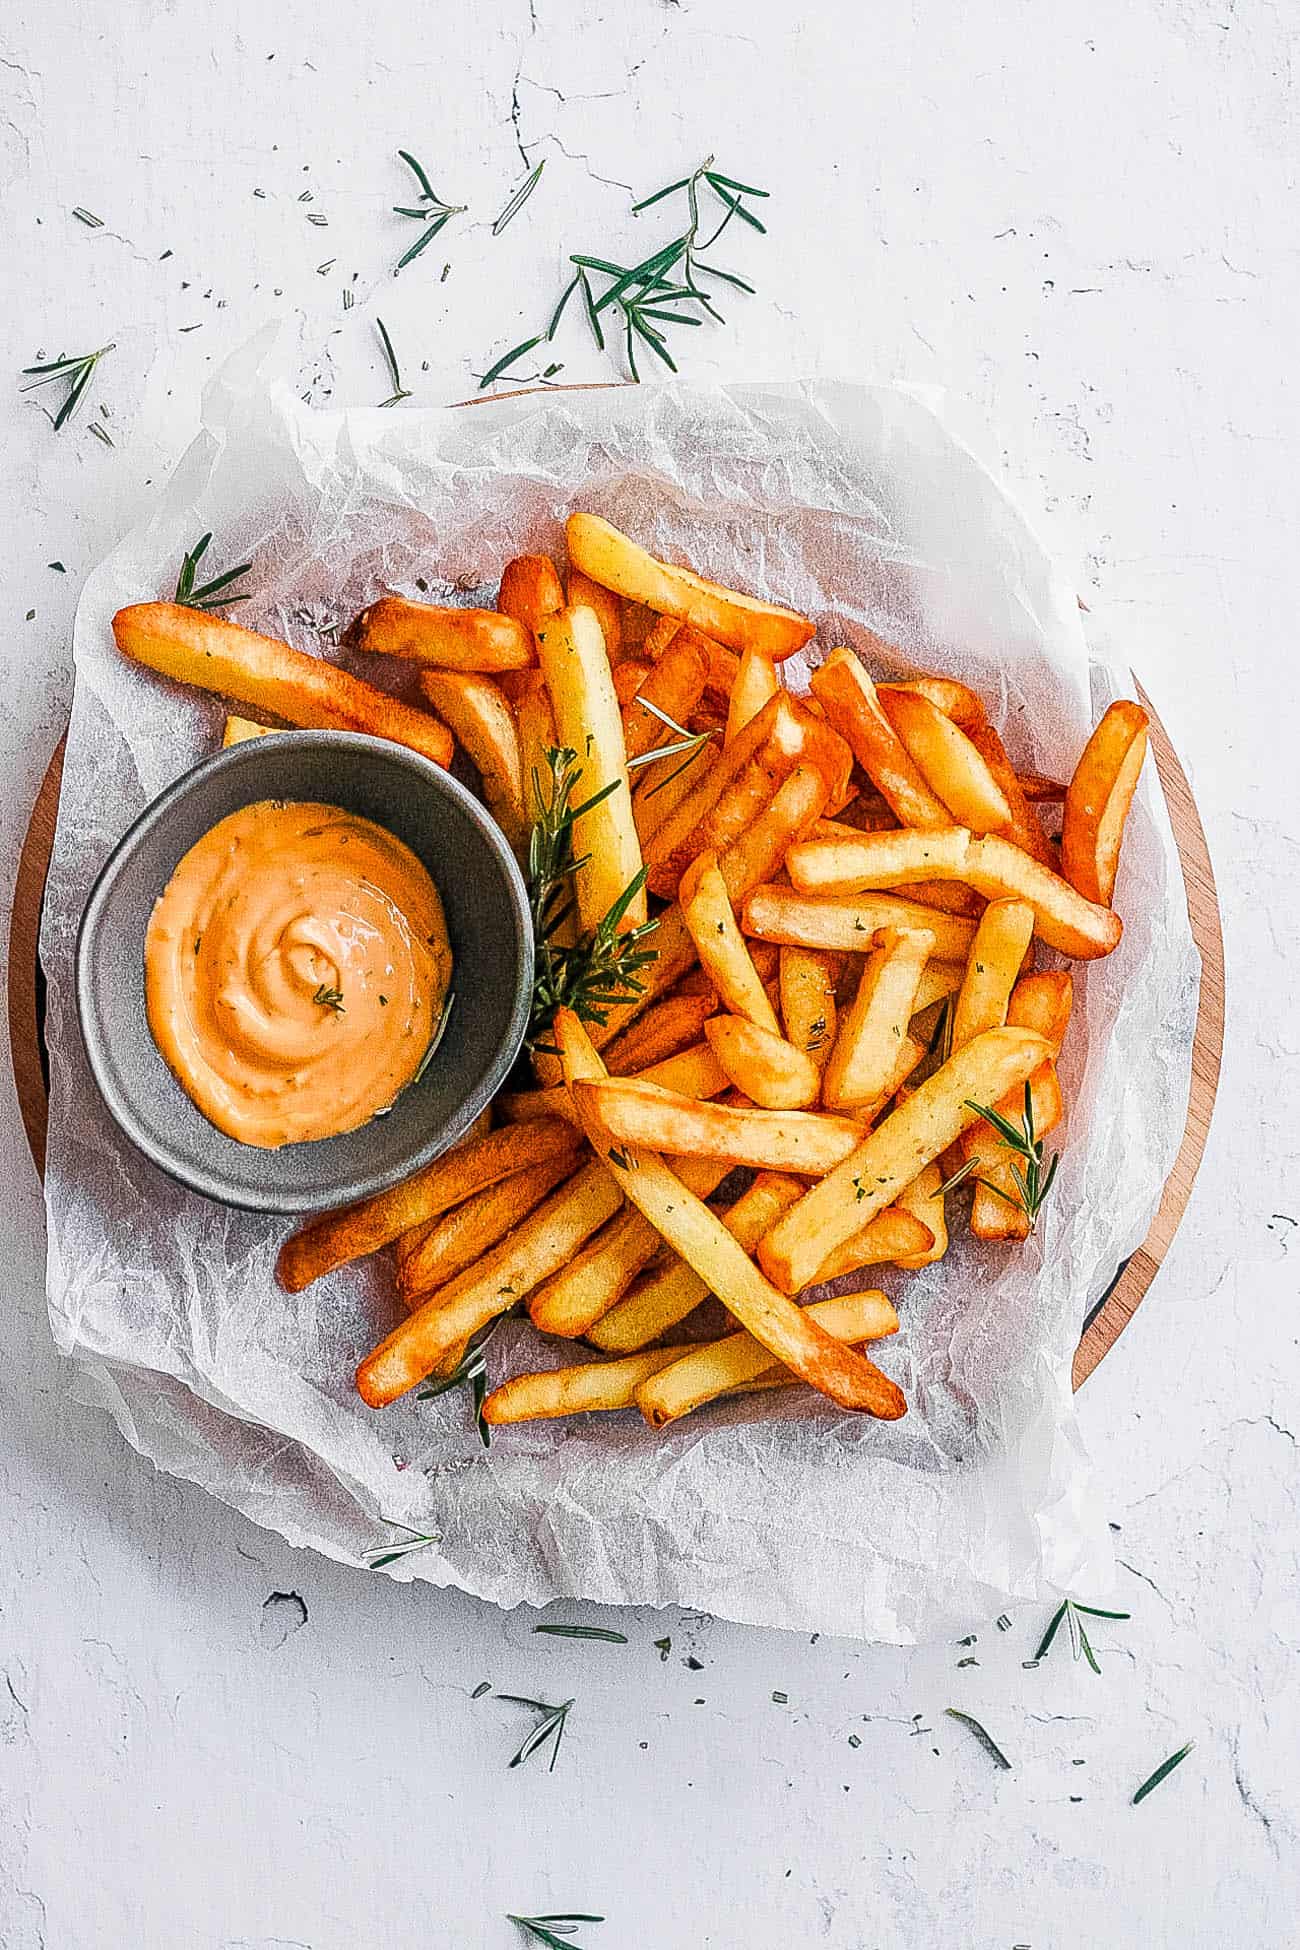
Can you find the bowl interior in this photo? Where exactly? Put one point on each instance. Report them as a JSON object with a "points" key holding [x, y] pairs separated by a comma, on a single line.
{"points": [[487, 919]]}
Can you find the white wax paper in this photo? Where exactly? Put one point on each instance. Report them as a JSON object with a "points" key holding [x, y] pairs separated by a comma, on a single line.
{"points": [[860, 506]]}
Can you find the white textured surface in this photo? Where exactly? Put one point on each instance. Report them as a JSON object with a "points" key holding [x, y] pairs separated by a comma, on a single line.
{"points": [[1088, 231]]}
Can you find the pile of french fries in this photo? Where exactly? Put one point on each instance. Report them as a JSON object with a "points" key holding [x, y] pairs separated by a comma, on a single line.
{"points": [[854, 888]]}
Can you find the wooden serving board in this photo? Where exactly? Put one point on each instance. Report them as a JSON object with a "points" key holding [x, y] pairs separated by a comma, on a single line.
{"points": [[1108, 1318]]}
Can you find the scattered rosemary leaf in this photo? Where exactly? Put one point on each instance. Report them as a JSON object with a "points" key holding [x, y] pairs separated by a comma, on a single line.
{"points": [[484, 1686], [102, 434], [88, 217], [550, 1727], [215, 594], [414, 1540], [57, 565], [663, 1647], [982, 1734], [582, 1632], [518, 200], [1033, 1180], [76, 373], [1003, 1622], [329, 998], [430, 211], [556, 1932], [399, 391], [1166, 1767]]}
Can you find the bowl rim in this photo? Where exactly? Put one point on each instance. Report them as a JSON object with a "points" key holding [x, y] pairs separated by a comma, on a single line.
{"points": [[253, 755]]}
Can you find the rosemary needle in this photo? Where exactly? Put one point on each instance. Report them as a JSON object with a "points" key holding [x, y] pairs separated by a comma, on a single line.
{"points": [[399, 391], [556, 1932], [982, 1734], [518, 200], [207, 595], [1165, 1767], [77, 371], [414, 1540], [430, 211], [582, 1632]]}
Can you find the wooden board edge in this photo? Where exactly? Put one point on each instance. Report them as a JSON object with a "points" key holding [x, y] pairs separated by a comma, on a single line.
{"points": [[25, 982]]}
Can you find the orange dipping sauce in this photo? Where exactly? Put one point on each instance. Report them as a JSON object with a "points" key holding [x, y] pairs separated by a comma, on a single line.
{"points": [[295, 969]]}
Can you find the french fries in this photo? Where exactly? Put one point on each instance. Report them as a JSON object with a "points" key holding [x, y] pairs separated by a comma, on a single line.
{"points": [[269, 677], [863, 1066], [572, 655], [451, 639], [451, 1243], [756, 682], [589, 1388], [582, 593], [530, 591], [667, 1026], [1022, 828], [848, 921], [1040, 790], [947, 760], [808, 1006], [1098, 799], [900, 857], [485, 725], [1041, 1002], [895, 1234], [742, 622], [956, 700], [334, 1238], [671, 689], [1001, 941], [850, 701], [890, 1157], [1065, 919], [638, 1113], [724, 956], [663, 783], [923, 1200], [762, 1064]]}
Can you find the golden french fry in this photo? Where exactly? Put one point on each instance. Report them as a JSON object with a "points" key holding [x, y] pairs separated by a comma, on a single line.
{"points": [[535, 729], [662, 785], [334, 1238], [949, 896], [1001, 942], [756, 681], [808, 1008], [238, 731], [693, 1072], [948, 760], [1064, 918], [762, 1064], [742, 622], [673, 687], [891, 1237], [1042, 1002], [264, 675], [851, 703], [669, 1025], [454, 1241], [1098, 799], [544, 1242], [1023, 828], [485, 725], [406, 1242], [530, 591], [908, 854], [577, 673], [848, 921], [997, 1209], [702, 1240], [890, 1157], [724, 956], [451, 639], [641, 1114], [737, 808], [864, 1064], [590, 1387], [682, 834], [701, 1374], [923, 1200], [955, 699], [582, 593]]}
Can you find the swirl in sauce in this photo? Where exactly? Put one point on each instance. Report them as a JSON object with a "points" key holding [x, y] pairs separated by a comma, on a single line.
{"points": [[295, 967]]}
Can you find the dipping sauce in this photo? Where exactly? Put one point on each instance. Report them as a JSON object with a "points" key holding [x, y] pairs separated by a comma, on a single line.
{"points": [[295, 968]]}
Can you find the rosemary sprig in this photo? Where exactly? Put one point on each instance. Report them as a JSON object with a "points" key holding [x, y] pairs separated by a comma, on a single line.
{"points": [[329, 998], [686, 741], [518, 200], [1073, 1614], [1165, 1767], [552, 1723], [583, 1632], [399, 392], [556, 1932], [431, 210], [982, 1734], [207, 595], [603, 966], [77, 371], [469, 1372], [1033, 1180], [414, 1540]]}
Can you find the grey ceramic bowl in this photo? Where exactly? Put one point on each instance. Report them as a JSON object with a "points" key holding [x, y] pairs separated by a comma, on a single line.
{"points": [[486, 906]]}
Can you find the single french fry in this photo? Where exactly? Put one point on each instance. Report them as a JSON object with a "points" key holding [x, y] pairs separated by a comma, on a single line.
{"points": [[637, 1113], [1022, 828], [947, 694], [949, 896], [997, 1210], [530, 591], [762, 1064], [890, 1157], [1042, 1002], [239, 731], [703, 1373], [948, 760], [458, 1238], [662, 784], [702, 1240], [406, 1242], [675, 843], [485, 725], [577, 673], [535, 728], [873, 1029], [848, 921], [269, 677], [1098, 800], [808, 1008], [742, 622], [581, 592], [669, 1025], [736, 809], [1040, 790], [724, 667], [923, 1200], [451, 639], [756, 682], [1001, 940], [850, 701], [546, 1240], [334, 1238], [819, 866], [1064, 918], [889, 1238], [721, 947], [693, 1072], [674, 687], [587, 1388]]}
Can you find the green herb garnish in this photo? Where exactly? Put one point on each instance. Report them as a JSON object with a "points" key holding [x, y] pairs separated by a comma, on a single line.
{"points": [[207, 595], [329, 998], [556, 1932], [399, 392], [1033, 1181], [430, 211], [76, 371], [982, 1734], [414, 1540], [582, 1632], [518, 200], [552, 1723], [470, 1372], [1070, 1611], [1165, 1767]]}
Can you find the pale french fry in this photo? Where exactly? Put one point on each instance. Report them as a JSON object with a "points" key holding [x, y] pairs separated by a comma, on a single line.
{"points": [[1001, 939], [670, 1025], [848, 921], [1023, 828], [956, 700], [668, 1293], [674, 687], [817, 866], [1065, 919], [662, 785], [699, 1238], [756, 682], [238, 731], [864, 1064], [546, 1240], [451, 639], [530, 591], [590, 1387], [485, 725], [576, 669], [997, 1209], [742, 622], [948, 761], [890, 1237], [762, 1064], [703, 1373], [453, 1242], [581, 592], [849, 699], [706, 909], [1040, 790], [638, 1113], [1098, 800], [890, 1157], [268, 677], [923, 1200], [808, 1008], [334, 1238]]}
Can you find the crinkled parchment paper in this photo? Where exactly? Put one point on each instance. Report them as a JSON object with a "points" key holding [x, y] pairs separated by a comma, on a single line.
{"points": [[860, 506]]}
